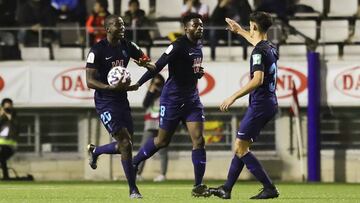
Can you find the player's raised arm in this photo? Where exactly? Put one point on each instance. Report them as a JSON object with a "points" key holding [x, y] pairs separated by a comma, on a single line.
{"points": [[236, 28], [158, 66]]}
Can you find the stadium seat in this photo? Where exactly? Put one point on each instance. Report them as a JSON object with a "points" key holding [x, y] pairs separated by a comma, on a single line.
{"points": [[317, 5], [144, 5], [67, 53], [170, 9], [292, 52], [351, 52], [227, 53], [356, 37], [167, 27], [307, 27], [69, 33], [343, 7], [35, 53], [334, 31], [329, 51]]}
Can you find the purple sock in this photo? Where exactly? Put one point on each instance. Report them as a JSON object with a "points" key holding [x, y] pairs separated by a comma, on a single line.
{"points": [[129, 173], [199, 162], [145, 152], [106, 149], [257, 170], [234, 171]]}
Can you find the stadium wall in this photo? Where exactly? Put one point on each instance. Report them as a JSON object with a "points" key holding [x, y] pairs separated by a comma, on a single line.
{"points": [[61, 84]]}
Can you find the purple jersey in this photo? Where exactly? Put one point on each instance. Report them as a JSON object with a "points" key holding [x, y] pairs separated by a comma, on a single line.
{"points": [[264, 58], [184, 59], [103, 56]]}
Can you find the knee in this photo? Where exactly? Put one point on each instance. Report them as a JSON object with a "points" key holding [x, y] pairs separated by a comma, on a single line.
{"points": [[241, 150], [198, 142], [161, 142], [124, 144]]}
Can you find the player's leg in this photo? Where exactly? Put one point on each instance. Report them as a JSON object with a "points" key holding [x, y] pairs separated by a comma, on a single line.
{"points": [[236, 166], [96, 151], [153, 145], [198, 158], [198, 150], [123, 139], [169, 120], [255, 167], [147, 134]]}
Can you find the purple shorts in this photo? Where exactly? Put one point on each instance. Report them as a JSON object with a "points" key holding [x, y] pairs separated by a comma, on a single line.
{"points": [[254, 120], [114, 115], [172, 114]]}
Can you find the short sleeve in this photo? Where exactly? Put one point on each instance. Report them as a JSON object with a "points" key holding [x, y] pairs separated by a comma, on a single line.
{"points": [[92, 60], [168, 55], [135, 52], [257, 63]]}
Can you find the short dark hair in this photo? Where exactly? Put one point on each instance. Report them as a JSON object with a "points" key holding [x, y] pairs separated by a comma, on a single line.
{"points": [[134, 1], [262, 19], [103, 3], [109, 19], [6, 100], [189, 17]]}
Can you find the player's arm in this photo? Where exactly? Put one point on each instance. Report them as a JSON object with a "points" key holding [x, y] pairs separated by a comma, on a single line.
{"points": [[158, 66], [254, 83], [140, 58], [92, 66], [236, 28]]}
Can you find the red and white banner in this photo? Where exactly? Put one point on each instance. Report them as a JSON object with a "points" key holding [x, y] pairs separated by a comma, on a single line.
{"points": [[59, 84]]}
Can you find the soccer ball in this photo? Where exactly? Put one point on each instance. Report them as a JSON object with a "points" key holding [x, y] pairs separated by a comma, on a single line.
{"points": [[115, 75]]}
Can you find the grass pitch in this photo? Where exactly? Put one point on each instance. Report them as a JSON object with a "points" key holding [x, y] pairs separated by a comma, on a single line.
{"points": [[169, 192]]}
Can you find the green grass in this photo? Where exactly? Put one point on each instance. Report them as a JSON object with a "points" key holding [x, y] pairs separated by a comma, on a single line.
{"points": [[168, 192]]}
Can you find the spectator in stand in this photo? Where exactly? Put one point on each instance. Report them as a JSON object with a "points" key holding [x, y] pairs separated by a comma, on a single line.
{"points": [[195, 6], [35, 14], [95, 22], [238, 10], [9, 49], [136, 18], [70, 10]]}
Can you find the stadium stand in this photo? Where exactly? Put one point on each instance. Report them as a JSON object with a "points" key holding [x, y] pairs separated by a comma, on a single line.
{"points": [[332, 16], [343, 7]]}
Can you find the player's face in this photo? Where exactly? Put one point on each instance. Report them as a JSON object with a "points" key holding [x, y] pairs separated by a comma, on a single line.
{"points": [[195, 28], [117, 28]]}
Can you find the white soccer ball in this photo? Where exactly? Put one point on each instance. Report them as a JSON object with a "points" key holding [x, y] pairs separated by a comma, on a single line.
{"points": [[116, 73]]}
